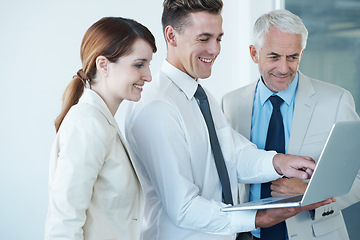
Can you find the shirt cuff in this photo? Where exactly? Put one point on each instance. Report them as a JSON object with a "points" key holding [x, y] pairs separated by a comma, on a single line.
{"points": [[273, 174], [243, 221]]}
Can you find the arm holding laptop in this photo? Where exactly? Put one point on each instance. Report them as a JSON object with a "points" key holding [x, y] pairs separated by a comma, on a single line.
{"points": [[270, 217], [292, 186], [287, 186]]}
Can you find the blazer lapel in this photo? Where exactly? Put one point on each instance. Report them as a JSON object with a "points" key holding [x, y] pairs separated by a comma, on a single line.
{"points": [[91, 97], [304, 108], [127, 150], [123, 143]]}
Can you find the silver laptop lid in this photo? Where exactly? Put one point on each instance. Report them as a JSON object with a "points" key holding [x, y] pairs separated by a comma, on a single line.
{"points": [[342, 150]]}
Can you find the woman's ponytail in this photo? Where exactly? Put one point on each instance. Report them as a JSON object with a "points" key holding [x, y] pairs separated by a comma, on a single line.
{"points": [[72, 95]]}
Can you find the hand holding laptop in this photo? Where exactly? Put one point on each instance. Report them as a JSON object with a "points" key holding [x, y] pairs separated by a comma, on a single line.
{"points": [[333, 176], [287, 186], [270, 217], [294, 166]]}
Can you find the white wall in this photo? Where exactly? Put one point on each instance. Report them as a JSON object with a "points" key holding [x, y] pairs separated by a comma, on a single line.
{"points": [[39, 45]]}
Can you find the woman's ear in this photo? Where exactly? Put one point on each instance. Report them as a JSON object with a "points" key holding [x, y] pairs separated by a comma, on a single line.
{"points": [[102, 65], [170, 35]]}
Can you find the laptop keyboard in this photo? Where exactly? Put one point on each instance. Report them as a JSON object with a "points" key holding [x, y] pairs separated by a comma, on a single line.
{"points": [[296, 198]]}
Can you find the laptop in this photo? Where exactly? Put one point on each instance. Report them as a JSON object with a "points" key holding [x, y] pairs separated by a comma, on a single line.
{"points": [[333, 176]]}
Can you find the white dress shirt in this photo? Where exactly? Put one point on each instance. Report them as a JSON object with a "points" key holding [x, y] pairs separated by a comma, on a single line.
{"points": [[169, 138], [94, 192]]}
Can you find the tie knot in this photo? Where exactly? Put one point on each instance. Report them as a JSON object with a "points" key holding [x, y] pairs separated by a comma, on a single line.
{"points": [[200, 93], [276, 101]]}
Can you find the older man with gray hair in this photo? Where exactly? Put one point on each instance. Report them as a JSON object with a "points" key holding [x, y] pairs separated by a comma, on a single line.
{"points": [[291, 113]]}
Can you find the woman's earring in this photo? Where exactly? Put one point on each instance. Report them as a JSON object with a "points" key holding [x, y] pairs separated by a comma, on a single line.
{"points": [[105, 68]]}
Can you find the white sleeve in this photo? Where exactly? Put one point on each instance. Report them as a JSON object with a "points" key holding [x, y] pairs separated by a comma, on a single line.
{"points": [[253, 165], [157, 139], [78, 156]]}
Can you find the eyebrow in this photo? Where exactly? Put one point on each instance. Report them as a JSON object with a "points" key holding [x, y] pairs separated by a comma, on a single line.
{"points": [[291, 55], [294, 55], [209, 35], [141, 59]]}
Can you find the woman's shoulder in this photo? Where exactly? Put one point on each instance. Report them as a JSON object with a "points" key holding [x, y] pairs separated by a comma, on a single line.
{"points": [[88, 119]]}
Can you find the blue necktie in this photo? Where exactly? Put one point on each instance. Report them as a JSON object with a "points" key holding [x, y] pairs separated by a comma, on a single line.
{"points": [[215, 146], [275, 140]]}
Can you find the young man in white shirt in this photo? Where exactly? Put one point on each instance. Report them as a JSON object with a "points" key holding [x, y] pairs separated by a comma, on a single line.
{"points": [[171, 144]]}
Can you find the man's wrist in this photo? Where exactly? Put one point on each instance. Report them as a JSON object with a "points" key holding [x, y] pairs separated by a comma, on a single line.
{"points": [[276, 163]]}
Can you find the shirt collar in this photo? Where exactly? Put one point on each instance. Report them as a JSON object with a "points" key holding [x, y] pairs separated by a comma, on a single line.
{"points": [[287, 95], [186, 83]]}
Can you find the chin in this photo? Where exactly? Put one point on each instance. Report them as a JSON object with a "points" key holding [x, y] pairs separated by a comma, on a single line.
{"points": [[136, 99], [282, 88], [277, 87], [204, 76], [133, 98]]}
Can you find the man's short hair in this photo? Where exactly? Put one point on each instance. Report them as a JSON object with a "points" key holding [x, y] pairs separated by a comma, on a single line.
{"points": [[282, 19], [175, 12]]}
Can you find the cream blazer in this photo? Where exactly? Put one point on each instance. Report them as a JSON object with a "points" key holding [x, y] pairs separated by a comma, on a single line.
{"points": [[318, 105], [94, 192]]}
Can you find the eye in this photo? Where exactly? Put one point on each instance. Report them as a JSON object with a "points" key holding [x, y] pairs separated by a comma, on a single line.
{"points": [[203, 39], [140, 65], [218, 39], [292, 58], [274, 57]]}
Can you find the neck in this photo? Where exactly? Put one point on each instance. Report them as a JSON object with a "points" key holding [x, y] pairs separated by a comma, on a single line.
{"points": [[111, 103]]}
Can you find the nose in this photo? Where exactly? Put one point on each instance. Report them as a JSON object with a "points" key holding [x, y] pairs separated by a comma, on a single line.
{"points": [[147, 75], [215, 47], [283, 65]]}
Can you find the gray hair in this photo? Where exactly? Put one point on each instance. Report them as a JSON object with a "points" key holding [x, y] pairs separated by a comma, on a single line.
{"points": [[282, 19]]}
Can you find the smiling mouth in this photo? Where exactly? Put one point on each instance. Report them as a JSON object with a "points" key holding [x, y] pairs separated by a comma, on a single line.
{"points": [[206, 60], [138, 87], [282, 76]]}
